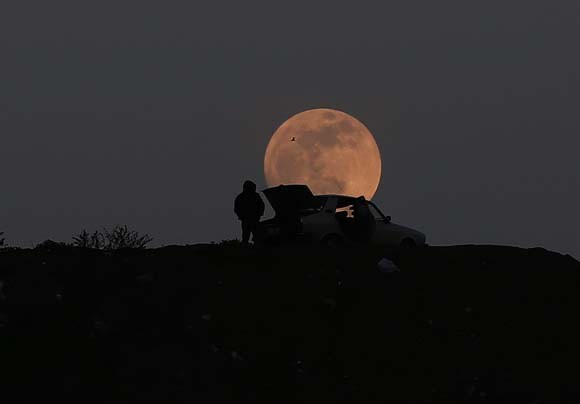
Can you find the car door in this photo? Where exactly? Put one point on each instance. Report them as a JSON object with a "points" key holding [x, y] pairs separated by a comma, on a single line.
{"points": [[385, 233], [322, 223]]}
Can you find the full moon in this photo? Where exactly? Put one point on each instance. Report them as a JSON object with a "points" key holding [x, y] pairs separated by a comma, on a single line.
{"points": [[328, 150]]}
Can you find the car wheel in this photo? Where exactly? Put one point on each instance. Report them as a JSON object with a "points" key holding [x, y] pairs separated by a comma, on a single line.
{"points": [[408, 243], [332, 241]]}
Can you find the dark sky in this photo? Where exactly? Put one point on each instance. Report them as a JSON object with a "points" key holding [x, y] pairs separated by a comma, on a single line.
{"points": [[152, 113]]}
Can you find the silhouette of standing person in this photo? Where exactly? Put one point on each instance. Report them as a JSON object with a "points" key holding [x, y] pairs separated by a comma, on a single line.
{"points": [[249, 208], [363, 220]]}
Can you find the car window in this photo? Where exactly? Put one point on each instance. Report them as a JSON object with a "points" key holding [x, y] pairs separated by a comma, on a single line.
{"points": [[375, 212], [348, 209], [344, 202], [319, 202], [317, 205]]}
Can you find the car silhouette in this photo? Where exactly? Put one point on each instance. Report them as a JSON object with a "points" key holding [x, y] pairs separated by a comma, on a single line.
{"points": [[329, 220]]}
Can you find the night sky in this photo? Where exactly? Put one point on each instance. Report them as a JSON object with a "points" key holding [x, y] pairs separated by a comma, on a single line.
{"points": [[152, 113]]}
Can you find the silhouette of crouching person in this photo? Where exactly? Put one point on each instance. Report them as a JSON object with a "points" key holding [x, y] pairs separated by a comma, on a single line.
{"points": [[249, 208], [364, 221]]}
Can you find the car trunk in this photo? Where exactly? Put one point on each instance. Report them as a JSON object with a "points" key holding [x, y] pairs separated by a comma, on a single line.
{"points": [[290, 200]]}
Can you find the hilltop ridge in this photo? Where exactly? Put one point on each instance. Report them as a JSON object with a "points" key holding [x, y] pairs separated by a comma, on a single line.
{"points": [[222, 323]]}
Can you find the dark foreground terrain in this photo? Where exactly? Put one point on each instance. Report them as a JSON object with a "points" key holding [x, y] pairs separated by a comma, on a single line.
{"points": [[223, 324]]}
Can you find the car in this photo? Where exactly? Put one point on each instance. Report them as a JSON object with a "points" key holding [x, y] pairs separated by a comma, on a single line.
{"points": [[328, 220]]}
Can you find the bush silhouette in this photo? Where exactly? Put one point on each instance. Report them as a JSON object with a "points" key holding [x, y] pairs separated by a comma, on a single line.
{"points": [[117, 238], [86, 240], [2, 239], [51, 245]]}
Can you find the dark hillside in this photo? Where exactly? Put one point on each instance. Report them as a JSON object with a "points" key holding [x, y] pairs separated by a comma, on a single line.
{"points": [[223, 324]]}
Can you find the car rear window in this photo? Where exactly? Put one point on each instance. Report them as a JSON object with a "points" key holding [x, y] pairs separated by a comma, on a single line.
{"points": [[317, 205]]}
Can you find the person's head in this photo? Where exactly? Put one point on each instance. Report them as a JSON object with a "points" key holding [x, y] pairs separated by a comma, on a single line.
{"points": [[249, 186]]}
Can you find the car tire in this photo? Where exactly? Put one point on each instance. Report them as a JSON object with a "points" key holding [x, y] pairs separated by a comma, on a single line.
{"points": [[332, 241], [408, 243]]}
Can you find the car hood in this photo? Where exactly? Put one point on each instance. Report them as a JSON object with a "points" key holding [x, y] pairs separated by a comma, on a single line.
{"points": [[289, 198], [404, 230]]}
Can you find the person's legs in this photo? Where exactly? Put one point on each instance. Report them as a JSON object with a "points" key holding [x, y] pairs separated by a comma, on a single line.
{"points": [[246, 231], [252, 228]]}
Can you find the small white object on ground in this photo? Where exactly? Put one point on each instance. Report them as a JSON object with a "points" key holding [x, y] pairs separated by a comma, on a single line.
{"points": [[386, 266], [330, 302]]}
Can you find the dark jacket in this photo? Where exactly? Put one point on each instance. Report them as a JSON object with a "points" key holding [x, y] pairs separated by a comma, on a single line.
{"points": [[248, 206], [364, 220]]}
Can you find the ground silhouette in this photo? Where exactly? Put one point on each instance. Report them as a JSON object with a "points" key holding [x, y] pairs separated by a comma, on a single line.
{"points": [[226, 324]]}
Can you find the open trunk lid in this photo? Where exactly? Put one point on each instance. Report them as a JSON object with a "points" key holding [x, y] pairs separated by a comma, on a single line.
{"points": [[290, 199]]}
